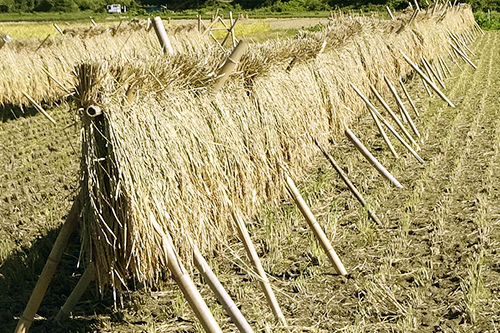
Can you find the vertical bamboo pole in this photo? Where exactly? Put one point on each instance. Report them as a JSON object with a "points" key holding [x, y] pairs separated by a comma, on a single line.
{"points": [[199, 22], [87, 277], [219, 291], [228, 67], [409, 98], [252, 255], [348, 183], [185, 283], [315, 227], [162, 36], [370, 158], [50, 267], [433, 86], [401, 106]]}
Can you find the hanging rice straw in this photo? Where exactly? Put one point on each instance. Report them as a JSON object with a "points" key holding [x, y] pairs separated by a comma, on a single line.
{"points": [[315, 227]]}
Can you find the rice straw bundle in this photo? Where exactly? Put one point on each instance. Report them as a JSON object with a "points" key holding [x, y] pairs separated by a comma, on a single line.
{"points": [[177, 155]]}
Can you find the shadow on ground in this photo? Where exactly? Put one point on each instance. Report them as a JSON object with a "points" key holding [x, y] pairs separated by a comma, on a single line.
{"points": [[12, 112]]}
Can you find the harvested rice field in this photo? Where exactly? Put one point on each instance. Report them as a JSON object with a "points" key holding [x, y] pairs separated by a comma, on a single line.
{"points": [[430, 266]]}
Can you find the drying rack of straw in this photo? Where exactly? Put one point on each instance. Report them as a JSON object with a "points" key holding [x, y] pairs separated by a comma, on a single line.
{"points": [[178, 150]]}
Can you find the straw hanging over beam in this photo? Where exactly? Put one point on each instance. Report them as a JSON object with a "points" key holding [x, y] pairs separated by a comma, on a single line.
{"points": [[315, 227], [76, 294], [219, 291], [50, 267], [39, 108], [348, 183], [403, 142], [373, 161], [433, 86], [185, 283], [252, 255], [162, 36], [402, 106]]}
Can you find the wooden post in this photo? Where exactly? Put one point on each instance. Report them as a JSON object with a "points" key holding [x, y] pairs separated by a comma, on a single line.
{"points": [[409, 98], [39, 108], [219, 291], [254, 258], [403, 142], [433, 86], [370, 158], [185, 283], [162, 36], [348, 183], [50, 267], [315, 227], [401, 106], [230, 64], [87, 277], [393, 116]]}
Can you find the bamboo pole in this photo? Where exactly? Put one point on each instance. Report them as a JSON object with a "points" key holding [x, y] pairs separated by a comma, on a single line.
{"points": [[43, 42], [391, 113], [181, 277], [254, 258], [219, 291], [230, 64], [416, 5], [409, 98], [373, 161], [466, 59], [162, 36], [232, 23], [445, 66], [429, 66], [390, 13], [426, 87], [439, 69], [433, 86], [401, 106], [315, 227], [199, 23], [82, 285], [348, 183], [56, 81], [451, 54], [58, 29], [382, 132], [50, 267], [209, 28], [93, 22], [230, 32], [427, 70], [39, 108]]}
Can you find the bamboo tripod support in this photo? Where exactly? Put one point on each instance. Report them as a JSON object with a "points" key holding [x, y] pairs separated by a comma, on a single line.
{"points": [[181, 277], [254, 258], [373, 161], [349, 184], [219, 291], [50, 267], [315, 227]]}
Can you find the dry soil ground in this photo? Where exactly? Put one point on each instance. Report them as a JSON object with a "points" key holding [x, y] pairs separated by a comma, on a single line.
{"points": [[434, 266]]}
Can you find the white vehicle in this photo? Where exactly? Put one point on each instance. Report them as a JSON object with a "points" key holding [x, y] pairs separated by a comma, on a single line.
{"points": [[116, 8]]}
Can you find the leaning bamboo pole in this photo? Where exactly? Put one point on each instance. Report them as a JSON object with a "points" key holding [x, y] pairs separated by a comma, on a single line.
{"points": [[463, 55], [50, 266], [433, 86], [348, 183], [429, 66], [382, 132], [230, 64], [252, 255], [409, 98], [185, 283], [39, 108], [87, 277], [219, 291], [373, 161], [162, 36], [315, 227]]}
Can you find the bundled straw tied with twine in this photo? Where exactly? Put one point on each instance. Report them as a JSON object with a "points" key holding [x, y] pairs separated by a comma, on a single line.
{"points": [[177, 153]]}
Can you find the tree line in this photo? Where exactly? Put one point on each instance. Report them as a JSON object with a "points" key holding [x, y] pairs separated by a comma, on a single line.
{"points": [[272, 5]]}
